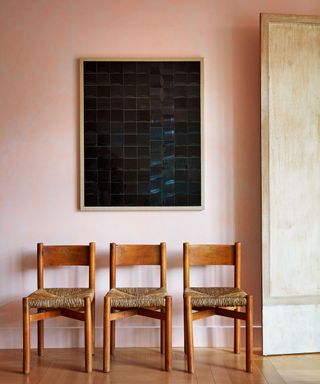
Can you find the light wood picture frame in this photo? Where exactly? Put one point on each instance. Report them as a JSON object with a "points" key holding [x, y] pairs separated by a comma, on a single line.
{"points": [[141, 134]]}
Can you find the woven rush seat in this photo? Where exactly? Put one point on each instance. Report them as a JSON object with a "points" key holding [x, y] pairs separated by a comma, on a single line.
{"points": [[59, 297], [216, 297], [137, 297]]}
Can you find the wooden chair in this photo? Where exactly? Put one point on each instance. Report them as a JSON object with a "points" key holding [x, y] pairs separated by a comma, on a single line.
{"points": [[75, 303], [120, 303], [222, 301]]}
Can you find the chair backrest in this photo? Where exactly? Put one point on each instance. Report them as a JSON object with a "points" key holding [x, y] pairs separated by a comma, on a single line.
{"points": [[142, 254], [211, 254], [66, 255]]}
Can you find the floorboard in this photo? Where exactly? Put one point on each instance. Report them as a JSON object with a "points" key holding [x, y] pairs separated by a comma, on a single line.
{"points": [[146, 365]]}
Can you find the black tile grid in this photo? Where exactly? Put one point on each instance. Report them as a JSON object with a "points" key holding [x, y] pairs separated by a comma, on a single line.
{"points": [[142, 134]]}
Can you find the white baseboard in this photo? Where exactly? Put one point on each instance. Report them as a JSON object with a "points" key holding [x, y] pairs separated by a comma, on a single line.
{"points": [[131, 336]]}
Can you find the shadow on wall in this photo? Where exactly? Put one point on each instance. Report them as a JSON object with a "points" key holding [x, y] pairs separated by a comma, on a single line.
{"points": [[246, 151], [11, 308], [69, 332]]}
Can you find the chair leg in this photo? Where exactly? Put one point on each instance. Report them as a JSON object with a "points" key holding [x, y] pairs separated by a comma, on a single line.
{"points": [[113, 336], [88, 335], [40, 326], [237, 334], [162, 334], [26, 336], [185, 328], [168, 331], [190, 351], [249, 334], [93, 332], [106, 335]]}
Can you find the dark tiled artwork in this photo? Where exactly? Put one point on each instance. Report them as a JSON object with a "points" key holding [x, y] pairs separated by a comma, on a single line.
{"points": [[142, 126]]}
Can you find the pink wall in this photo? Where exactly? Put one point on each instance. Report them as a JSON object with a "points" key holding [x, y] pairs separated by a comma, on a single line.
{"points": [[40, 44]]}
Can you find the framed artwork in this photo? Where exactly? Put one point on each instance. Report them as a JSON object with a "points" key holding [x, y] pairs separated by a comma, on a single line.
{"points": [[141, 134]]}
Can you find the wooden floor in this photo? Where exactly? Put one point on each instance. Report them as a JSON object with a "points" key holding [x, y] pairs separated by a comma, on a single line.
{"points": [[145, 365]]}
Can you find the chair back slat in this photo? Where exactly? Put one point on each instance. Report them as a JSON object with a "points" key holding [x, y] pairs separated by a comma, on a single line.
{"points": [[215, 254], [66, 255], [142, 254], [138, 254], [211, 254], [63, 255]]}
